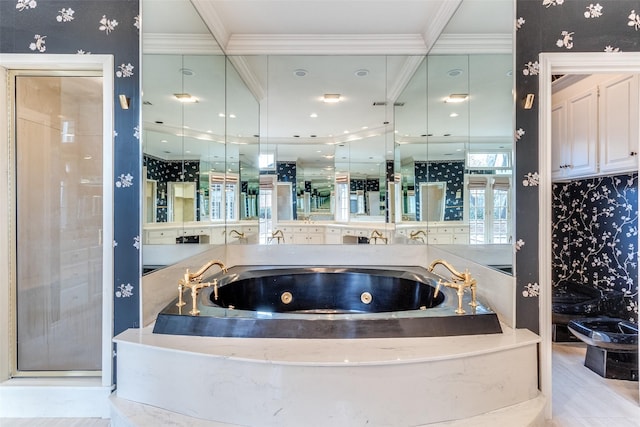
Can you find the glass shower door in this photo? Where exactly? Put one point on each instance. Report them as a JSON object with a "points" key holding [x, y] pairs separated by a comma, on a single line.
{"points": [[58, 222]]}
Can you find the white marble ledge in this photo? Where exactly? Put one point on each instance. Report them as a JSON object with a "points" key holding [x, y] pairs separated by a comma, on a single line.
{"points": [[334, 352]]}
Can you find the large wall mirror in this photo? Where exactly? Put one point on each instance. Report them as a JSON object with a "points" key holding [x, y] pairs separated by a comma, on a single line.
{"points": [[298, 149]]}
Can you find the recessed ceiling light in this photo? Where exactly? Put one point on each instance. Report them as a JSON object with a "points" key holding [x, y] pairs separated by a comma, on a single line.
{"points": [[300, 72], [187, 71], [185, 97], [453, 115], [331, 97], [232, 116], [362, 72], [454, 72], [221, 115], [313, 115], [456, 97]]}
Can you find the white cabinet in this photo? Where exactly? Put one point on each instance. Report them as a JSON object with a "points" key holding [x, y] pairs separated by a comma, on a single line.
{"points": [[162, 237], [619, 124], [333, 236], [577, 153], [303, 234], [559, 150], [595, 127]]}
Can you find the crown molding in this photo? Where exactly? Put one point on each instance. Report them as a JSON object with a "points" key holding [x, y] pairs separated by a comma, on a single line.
{"points": [[407, 71], [212, 20], [248, 77], [184, 44], [440, 20], [473, 44], [330, 44]]}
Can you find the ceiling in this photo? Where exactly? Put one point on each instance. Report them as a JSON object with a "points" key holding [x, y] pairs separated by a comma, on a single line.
{"points": [[249, 30]]}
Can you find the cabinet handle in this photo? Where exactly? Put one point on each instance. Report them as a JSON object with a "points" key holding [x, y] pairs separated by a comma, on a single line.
{"points": [[633, 153]]}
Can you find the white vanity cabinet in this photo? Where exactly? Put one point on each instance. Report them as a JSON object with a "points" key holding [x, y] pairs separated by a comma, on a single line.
{"points": [[595, 127], [438, 233], [303, 234], [576, 153], [332, 235], [165, 236], [619, 124]]}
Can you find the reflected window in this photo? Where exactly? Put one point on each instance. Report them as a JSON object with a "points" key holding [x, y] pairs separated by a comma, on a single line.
{"points": [[266, 161], [489, 160], [489, 209]]}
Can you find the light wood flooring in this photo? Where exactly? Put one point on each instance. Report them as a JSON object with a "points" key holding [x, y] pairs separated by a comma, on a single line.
{"points": [[581, 398]]}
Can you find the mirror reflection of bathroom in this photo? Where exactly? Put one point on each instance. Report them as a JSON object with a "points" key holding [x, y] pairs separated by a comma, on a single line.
{"points": [[432, 201], [594, 137], [395, 134], [182, 201]]}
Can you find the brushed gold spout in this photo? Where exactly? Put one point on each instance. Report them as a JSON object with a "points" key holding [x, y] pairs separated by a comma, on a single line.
{"points": [[237, 234], [375, 235], [277, 234], [459, 281], [415, 235], [193, 281]]}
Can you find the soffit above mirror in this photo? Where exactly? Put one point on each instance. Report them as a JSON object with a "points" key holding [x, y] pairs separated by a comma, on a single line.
{"points": [[381, 27]]}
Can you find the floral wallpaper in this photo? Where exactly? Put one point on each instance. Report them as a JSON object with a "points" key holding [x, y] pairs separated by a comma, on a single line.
{"points": [[595, 236], [453, 174], [165, 171], [553, 26], [84, 27]]}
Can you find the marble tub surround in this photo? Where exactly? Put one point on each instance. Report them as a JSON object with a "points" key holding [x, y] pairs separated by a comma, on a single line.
{"points": [[292, 382]]}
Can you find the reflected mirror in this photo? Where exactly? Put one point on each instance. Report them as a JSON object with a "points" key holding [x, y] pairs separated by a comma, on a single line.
{"points": [[325, 149]]}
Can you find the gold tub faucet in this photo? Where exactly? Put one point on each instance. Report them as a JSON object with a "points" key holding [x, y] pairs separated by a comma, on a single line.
{"points": [[238, 234], [375, 235], [278, 234], [459, 281], [193, 281], [415, 235]]}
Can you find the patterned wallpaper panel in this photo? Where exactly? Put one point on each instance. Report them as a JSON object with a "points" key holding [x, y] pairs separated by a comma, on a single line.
{"points": [[84, 27], [453, 174], [554, 26], [165, 171], [595, 235]]}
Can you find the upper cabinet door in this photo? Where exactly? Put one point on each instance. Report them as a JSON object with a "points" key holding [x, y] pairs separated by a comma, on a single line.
{"points": [[619, 124], [582, 133], [559, 147]]}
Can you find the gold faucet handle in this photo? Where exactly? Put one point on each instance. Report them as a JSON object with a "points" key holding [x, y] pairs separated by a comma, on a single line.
{"points": [[435, 294]]}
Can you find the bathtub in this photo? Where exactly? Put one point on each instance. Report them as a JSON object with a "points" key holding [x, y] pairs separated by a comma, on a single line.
{"points": [[325, 302]]}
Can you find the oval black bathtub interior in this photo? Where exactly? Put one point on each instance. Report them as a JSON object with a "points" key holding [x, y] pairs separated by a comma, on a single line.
{"points": [[328, 293], [325, 302]]}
